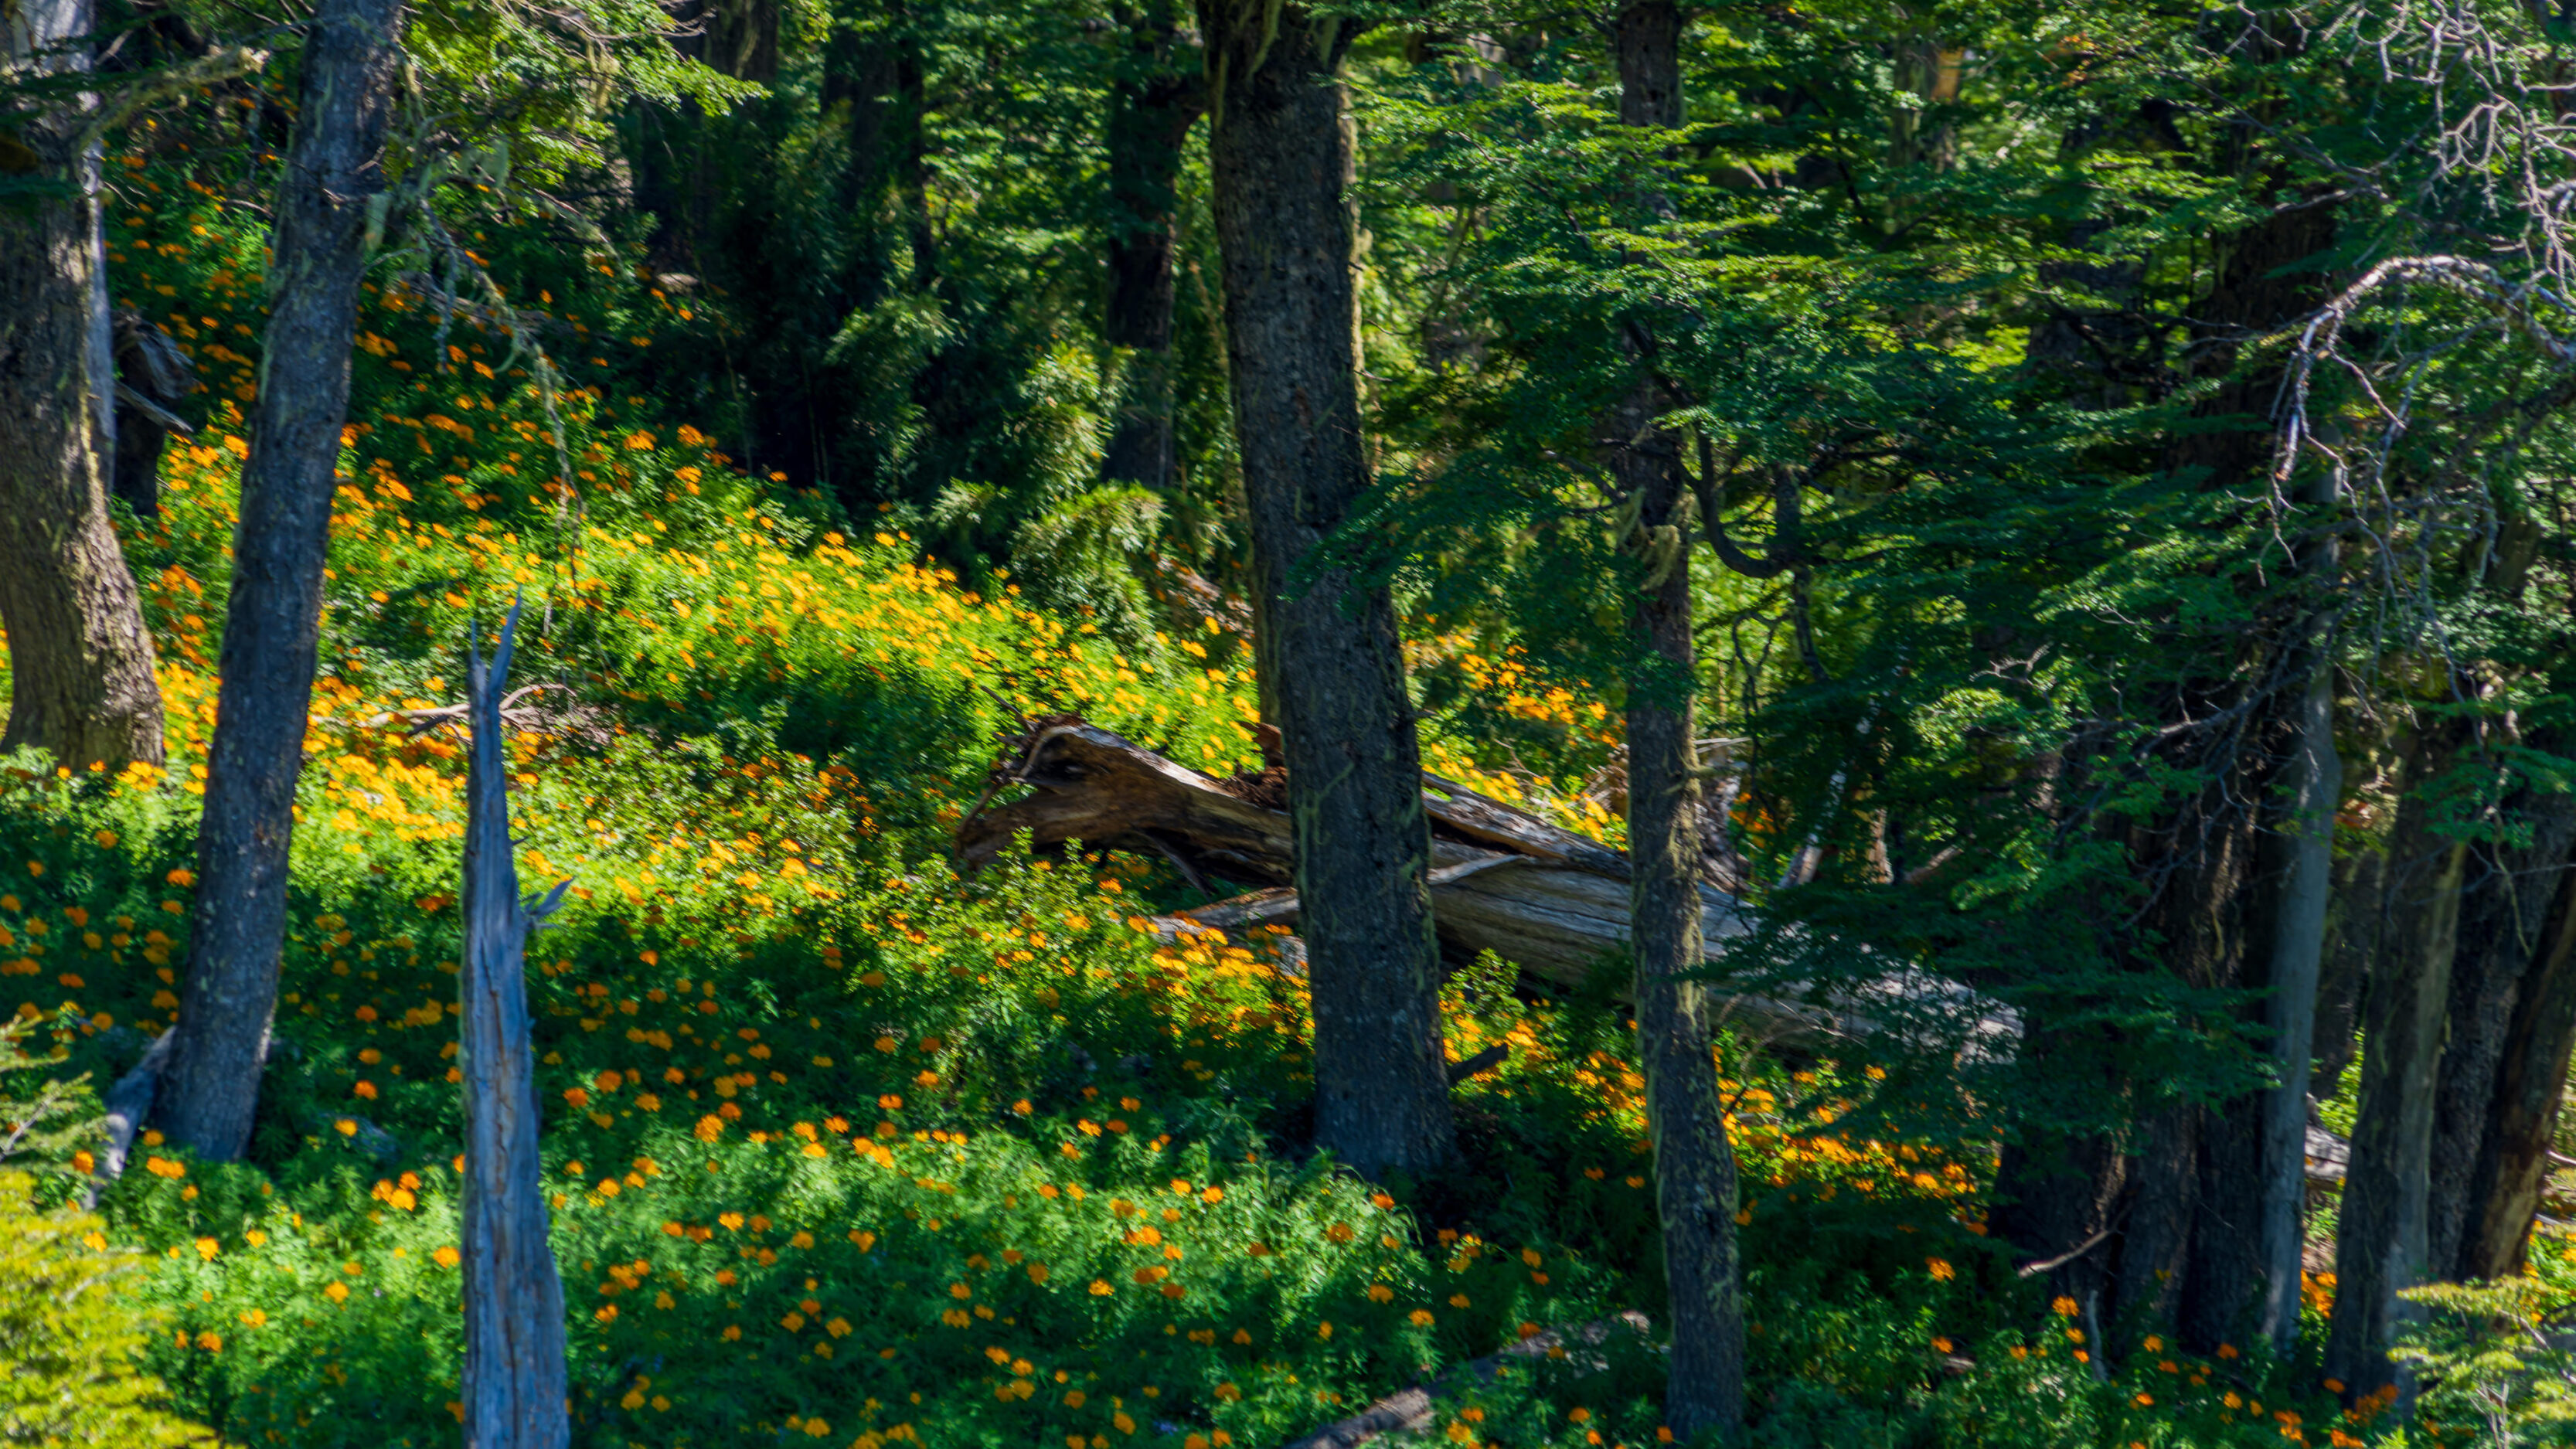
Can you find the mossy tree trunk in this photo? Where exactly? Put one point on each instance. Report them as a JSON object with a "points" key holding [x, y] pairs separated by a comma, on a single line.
{"points": [[80, 659], [1695, 1183], [272, 630], [1280, 159]]}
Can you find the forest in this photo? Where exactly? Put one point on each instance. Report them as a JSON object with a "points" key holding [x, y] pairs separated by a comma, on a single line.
{"points": [[1287, 723]]}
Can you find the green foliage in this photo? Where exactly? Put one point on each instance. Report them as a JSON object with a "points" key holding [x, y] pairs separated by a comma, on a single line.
{"points": [[2492, 1358], [71, 1332], [71, 1328]]}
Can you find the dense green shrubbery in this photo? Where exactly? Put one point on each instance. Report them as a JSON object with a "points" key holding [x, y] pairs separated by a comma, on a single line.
{"points": [[841, 1148]]}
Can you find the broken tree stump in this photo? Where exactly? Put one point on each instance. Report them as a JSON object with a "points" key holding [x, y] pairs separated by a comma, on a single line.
{"points": [[514, 1306]]}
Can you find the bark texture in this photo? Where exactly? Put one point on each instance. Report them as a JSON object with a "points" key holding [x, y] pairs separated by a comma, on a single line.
{"points": [[2302, 846], [2500, 976], [1280, 158], [80, 660], [2382, 1242], [515, 1374], [272, 628], [1695, 1186], [2531, 1082], [1152, 108], [153, 378], [2179, 1216]]}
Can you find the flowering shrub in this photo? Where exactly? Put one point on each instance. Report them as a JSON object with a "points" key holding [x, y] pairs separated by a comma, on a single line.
{"points": [[842, 1149]]}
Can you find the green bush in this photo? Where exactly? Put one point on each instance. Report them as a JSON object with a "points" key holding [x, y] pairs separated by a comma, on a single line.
{"points": [[71, 1331]]}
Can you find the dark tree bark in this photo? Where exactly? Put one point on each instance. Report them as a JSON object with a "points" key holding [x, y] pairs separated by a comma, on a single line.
{"points": [[1151, 112], [2206, 1199], [1695, 1183], [2531, 1082], [2352, 943], [2382, 1243], [80, 659], [1280, 155], [2509, 898], [153, 377], [514, 1307], [272, 629], [2225, 910]]}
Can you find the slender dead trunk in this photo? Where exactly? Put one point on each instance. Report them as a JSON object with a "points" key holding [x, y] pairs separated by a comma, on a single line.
{"points": [[2300, 847], [2298, 951], [2381, 1241], [1695, 1182], [80, 659], [514, 1306], [1280, 158], [272, 629], [1149, 120]]}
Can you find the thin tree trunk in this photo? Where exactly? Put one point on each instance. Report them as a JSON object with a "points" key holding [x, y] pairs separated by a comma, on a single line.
{"points": [[80, 659], [1280, 155], [273, 626], [2297, 876], [1695, 1184], [514, 1306], [2381, 1242], [2306, 836], [1149, 121]]}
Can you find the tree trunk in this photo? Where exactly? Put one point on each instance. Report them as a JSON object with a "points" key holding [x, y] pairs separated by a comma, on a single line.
{"points": [[2531, 1081], [1149, 120], [1280, 158], [1695, 1187], [153, 378], [80, 660], [514, 1306], [2352, 943], [2381, 1242], [2225, 913], [2505, 915], [2303, 843], [272, 628]]}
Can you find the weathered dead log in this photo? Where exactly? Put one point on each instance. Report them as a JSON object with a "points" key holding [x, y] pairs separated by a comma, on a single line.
{"points": [[515, 1372], [1544, 898]]}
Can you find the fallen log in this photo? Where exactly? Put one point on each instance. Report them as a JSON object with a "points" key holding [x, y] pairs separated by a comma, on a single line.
{"points": [[1414, 1411], [1502, 880]]}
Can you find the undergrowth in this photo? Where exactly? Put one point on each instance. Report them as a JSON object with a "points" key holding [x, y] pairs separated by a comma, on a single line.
{"points": [[842, 1148]]}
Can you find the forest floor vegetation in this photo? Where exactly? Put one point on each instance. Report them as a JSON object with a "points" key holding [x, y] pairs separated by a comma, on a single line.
{"points": [[842, 1148]]}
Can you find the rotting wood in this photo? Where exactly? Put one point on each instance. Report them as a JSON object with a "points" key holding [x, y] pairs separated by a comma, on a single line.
{"points": [[1548, 900]]}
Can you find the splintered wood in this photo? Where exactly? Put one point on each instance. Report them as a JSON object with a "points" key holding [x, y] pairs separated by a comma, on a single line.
{"points": [[514, 1306], [1549, 900]]}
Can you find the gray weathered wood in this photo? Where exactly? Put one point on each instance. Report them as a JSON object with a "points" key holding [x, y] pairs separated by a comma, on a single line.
{"points": [[514, 1304], [1551, 902]]}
